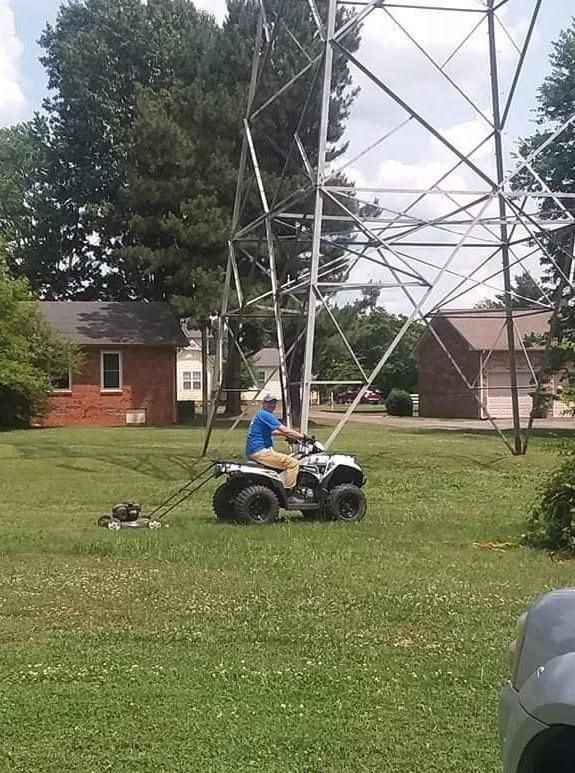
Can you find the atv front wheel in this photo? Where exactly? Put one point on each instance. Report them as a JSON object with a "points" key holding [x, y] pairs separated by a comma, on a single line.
{"points": [[257, 504], [346, 503]]}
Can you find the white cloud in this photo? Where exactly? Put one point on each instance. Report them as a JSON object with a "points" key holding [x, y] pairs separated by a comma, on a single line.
{"points": [[217, 7], [12, 99]]}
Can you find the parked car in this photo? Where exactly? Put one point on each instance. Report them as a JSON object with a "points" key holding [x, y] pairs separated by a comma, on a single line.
{"points": [[371, 397], [537, 705]]}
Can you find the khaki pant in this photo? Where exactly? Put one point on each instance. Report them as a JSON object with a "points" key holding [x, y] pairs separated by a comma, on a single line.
{"points": [[278, 461]]}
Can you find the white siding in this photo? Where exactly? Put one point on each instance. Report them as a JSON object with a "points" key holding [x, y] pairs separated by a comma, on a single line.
{"points": [[190, 362], [497, 385], [273, 385]]}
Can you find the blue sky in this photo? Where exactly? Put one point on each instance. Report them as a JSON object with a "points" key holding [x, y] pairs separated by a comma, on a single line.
{"points": [[30, 18], [411, 159], [21, 24]]}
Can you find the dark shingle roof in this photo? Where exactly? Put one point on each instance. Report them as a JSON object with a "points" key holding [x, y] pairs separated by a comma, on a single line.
{"points": [[115, 323], [484, 329]]}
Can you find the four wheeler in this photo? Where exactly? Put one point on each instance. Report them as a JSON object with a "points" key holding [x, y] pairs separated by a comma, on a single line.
{"points": [[329, 487]]}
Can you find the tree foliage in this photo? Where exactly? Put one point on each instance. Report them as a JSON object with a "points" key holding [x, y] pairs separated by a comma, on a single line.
{"points": [[556, 166], [369, 330], [524, 286], [128, 176], [31, 354]]}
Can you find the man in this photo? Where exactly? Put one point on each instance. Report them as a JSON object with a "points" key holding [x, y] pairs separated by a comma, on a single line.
{"points": [[259, 444]]}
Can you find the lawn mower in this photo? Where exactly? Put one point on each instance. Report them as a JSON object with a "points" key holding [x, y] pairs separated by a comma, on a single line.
{"points": [[329, 487]]}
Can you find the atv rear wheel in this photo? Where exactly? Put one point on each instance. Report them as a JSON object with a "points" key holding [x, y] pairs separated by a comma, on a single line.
{"points": [[223, 502], [257, 504], [346, 503]]}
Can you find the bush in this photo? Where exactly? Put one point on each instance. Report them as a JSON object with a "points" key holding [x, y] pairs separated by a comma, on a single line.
{"points": [[31, 353], [551, 523], [399, 403]]}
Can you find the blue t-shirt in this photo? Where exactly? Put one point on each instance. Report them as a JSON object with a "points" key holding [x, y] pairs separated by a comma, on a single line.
{"points": [[260, 432]]}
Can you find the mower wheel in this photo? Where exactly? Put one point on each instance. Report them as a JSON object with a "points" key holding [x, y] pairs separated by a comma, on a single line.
{"points": [[257, 504], [223, 502], [346, 503]]}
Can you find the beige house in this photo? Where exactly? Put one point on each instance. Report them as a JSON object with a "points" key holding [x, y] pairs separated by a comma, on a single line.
{"points": [[265, 367]]}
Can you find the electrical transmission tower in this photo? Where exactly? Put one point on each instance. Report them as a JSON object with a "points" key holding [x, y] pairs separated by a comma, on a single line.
{"points": [[320, 228]]}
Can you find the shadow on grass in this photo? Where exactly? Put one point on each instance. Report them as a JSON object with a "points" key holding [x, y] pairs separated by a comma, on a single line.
{"points": [[165, 467], [550, 433]]}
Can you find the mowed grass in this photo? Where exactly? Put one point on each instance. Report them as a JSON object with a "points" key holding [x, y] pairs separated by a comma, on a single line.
{"points": [[299, 647]]}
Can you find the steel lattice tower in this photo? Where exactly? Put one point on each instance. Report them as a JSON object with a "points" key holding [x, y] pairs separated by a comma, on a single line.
{"points": [[429, 245]]}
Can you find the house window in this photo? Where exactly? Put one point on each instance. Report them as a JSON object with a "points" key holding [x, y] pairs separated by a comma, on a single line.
{"points": [[192, 380], [261, 377], [111, 370], [62, 382]]}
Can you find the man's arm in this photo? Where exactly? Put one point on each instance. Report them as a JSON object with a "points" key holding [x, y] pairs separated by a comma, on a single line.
{"points": [[292, 434]]}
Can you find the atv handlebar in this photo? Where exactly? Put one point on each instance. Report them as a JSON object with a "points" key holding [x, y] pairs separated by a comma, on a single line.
{"points": [[306, 439]]}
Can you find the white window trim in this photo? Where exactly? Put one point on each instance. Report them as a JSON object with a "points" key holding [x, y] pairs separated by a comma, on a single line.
{"points": [[197, 381], [187, 380], [68, 389], [116, 390]]}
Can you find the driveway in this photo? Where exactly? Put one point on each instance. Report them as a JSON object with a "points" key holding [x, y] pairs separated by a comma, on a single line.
{"points": [[419, 422]]}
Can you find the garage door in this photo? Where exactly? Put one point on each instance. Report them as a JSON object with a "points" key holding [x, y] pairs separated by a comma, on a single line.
{"points": [[498, 387]]}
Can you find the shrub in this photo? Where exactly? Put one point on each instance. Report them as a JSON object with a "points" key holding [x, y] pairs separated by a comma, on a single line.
{"points": [[551, 523], [30, 354], [399, 403]]}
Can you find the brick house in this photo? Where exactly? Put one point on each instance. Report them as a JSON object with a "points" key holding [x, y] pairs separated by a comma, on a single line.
{"points": [[477, 341], [129, 372]]}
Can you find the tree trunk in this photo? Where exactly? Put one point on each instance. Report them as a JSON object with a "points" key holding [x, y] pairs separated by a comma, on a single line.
{"points": [[233, 380], [295, 371], [205, 373]]}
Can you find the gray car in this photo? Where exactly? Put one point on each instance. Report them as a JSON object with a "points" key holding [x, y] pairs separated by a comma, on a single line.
{"points": [[537, 707]]}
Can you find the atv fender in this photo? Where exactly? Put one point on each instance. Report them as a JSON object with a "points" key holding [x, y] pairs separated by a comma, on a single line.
{"points": [[343, 474], [264, 480], [549, 693]]}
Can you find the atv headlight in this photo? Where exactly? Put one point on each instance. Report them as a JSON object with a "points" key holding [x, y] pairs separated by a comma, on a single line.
{"points": [[516, 647]]}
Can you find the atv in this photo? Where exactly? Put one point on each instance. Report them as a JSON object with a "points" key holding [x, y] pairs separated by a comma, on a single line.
{"points": [[329, 487]]}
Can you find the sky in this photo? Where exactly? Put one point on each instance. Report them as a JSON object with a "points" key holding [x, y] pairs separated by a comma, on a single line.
{"points": [[410, 158]]}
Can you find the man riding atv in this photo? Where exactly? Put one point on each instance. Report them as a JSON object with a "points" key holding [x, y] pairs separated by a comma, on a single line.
{"points": [[321, 485], [259, 443]]}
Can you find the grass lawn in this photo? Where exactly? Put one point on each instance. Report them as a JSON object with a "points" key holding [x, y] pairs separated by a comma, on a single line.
{"points": [[300, 647]]}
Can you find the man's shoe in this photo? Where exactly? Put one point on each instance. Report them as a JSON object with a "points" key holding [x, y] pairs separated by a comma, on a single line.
{"points": [[294, 499]]}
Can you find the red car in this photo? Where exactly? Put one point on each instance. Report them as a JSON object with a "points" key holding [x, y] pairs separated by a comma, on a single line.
{"points": [[371, 397]]}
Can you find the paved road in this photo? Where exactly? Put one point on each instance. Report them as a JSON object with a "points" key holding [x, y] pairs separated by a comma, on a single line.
{"points": [[399, 422]]}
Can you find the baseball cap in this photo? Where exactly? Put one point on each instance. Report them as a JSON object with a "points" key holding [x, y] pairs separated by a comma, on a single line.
{"points": [[269, 398]]}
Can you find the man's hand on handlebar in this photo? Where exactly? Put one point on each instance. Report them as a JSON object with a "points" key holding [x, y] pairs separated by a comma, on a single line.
{"points": [[300, 438]]}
